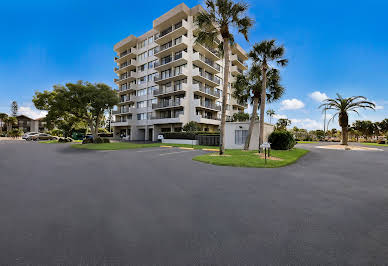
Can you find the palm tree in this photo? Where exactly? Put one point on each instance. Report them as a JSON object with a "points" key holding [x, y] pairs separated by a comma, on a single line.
{"points": [[266, 54], [248, 89], [342, 107], [222, 17], [270, 113], [3, 117], [10, 121]]}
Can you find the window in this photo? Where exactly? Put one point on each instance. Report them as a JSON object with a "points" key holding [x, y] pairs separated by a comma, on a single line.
{"points": [[142, 80], [142, 44], [142, 116], [165, 74], [150, 52], [141, 92], [123, 87], [151, 90], [150, 40], [142, 56], [151, 77], [179, 69], [240, 136], [142, 67], [141, 104], [151, 64]]}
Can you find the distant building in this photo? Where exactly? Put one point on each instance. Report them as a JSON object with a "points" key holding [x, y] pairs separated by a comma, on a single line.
{"points": [[28, 124]]}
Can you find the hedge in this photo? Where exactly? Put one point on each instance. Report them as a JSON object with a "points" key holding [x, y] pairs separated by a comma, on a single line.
{"points": [[187, 135]]}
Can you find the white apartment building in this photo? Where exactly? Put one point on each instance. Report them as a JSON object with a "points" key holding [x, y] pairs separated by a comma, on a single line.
{"points": [[166, 79]]}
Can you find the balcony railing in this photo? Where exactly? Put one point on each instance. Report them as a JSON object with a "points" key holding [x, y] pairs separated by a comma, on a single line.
{"points": [[166, 104], [209, 105], [170, 59], [169, 30], [159, 78], [209, 91], [176, 115], [168, 90], [208, 76], [207, 61]]}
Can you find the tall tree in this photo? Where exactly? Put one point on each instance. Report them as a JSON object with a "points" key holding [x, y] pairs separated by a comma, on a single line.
{"points": [[14, 108], [270, 113], [75, 102], [10, 121], [267, 55], [223, 17], [249, 89], [283, 123], [342, 106]]}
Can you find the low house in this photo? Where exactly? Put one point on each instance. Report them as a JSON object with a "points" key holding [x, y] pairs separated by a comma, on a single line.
{"points": [[236, 134], [28, 124]]}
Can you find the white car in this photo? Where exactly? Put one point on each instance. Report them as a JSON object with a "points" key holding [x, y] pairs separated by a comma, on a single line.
{"points": [[29, 134]]}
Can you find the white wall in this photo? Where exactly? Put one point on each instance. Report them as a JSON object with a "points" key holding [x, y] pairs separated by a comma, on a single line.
{"points": [[231, 127]]}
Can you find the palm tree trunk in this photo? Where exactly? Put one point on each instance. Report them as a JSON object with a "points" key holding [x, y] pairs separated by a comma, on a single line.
{"points": [[262, 104], [252, 122], [344, 136], [224, 96]]}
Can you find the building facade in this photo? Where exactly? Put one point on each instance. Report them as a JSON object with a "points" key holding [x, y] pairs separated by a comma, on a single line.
{"points": [[166, 79]]}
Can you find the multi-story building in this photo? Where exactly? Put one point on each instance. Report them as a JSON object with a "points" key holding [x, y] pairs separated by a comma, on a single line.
{"points": [[166, 79]]}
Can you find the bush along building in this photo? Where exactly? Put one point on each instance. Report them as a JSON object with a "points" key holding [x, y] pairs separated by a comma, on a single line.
{"points": [[166, 79]]}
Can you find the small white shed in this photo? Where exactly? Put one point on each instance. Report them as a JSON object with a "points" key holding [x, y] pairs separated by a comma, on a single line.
{"points": [[236, 134]]}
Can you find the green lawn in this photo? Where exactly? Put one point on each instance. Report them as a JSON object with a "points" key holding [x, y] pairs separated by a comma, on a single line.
{"points": [[307, 142], [130, 145], [239, 158], [374, 144], [56, 142]]}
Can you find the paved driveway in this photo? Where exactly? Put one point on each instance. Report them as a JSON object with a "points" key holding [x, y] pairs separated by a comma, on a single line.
{"points": [[158, 207]]}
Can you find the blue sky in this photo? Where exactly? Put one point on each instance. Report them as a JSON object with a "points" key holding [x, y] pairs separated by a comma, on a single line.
{"points": [[332, 46]]}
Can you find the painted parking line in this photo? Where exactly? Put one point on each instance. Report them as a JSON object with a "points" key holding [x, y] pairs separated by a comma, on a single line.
{"points": [[175, 152], [147, 150]]}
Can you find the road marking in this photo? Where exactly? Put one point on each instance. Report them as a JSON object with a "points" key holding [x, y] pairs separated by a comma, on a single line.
{"points": [[210, 149], [146, 150], [166, 146], [172, 153], [184, 148]]}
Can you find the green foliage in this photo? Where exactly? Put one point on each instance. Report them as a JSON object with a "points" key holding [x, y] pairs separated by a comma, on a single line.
{"points": [[240, 117], [282, 124], [179, 135], [191, 127], [188, 135], [98, 140], [105, 140], [74, 103], [281, 140], [15, 133], [56, 132]]}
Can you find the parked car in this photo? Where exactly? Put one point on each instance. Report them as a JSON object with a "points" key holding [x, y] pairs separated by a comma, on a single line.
{"points": [[29, 134], [41, 136]]}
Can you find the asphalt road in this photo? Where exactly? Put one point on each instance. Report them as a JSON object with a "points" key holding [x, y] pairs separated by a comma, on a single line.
{"points": [[155, 206]]}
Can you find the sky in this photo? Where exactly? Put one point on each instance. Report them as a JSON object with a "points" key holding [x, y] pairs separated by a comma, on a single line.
{"points": [[332, 47]]}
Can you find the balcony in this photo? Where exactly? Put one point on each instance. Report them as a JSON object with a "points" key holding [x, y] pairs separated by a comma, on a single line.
{"points": [[207, 120], [201, 75], [126, 100], [169, 48], [177, 118], [209, 52], [127, 89], [173, 61], [170, 90], [129, 65], [174, 76], [172, 32], [236, 60], [206, 63], [168, 104], [123, 111], [206, 105], [234, 70], [131, 52], [205, 91], [128, 78]]}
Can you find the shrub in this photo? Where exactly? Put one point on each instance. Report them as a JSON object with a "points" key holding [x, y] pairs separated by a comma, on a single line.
{"points": [[87, 141], [192, 126], [179, 135], [15, 133], [381, 142], [281, 140], [98, 140], [106, 140]]}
